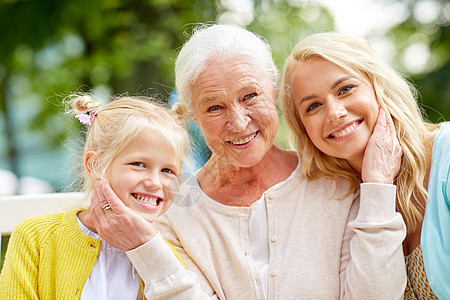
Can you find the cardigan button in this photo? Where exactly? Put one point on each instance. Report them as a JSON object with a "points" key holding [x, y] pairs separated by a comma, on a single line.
{"points": [[93, 246]]}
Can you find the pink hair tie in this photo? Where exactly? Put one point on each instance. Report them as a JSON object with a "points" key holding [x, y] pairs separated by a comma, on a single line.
{"points": [[88, 116]]}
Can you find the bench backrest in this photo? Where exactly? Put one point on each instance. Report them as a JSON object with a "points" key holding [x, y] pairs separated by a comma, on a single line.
{"points": [[14, 209]]}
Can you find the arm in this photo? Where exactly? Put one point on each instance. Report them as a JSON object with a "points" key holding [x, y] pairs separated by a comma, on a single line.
{"points": [[372, 262], [163, 274], [19, 276], [159, 268]]}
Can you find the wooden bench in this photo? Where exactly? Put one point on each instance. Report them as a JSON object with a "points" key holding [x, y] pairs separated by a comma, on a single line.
{"points": [[14, 209]]}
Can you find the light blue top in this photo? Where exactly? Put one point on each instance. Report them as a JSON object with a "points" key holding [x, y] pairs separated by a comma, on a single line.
{"points": [[435, 237]]}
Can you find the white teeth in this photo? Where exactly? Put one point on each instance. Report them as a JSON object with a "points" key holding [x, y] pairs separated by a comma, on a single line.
{"points": [[243, 141], [345, 131], [145, 199]]}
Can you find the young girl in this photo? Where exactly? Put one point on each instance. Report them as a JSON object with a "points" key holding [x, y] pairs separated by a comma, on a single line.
{"points": [[136, 145], [334, 88]]}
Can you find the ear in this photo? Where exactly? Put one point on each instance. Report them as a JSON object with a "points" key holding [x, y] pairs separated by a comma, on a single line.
{"points": [[91, 164]]}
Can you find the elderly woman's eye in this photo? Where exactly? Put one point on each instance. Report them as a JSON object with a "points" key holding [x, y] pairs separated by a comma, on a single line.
{"points": [[249, 96], [214, 107]]}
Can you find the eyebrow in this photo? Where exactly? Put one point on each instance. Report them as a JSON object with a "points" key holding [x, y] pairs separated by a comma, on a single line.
{"points": [[340, 80], [336, 83]]}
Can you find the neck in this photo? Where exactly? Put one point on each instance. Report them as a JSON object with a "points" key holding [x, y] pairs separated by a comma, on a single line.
{"points": [[222, 171], [356, 163], [226, 183], [82, 214]]}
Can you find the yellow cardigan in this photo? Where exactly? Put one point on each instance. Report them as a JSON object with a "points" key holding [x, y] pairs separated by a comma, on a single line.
{"points": [[48, 257]]}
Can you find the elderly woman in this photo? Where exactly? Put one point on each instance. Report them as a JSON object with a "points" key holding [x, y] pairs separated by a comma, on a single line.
{"points": [[248, 224]]}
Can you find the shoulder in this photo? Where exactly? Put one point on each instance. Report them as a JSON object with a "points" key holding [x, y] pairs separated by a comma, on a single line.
{"points": [[441, 147], [40, 226], [444, 133]]}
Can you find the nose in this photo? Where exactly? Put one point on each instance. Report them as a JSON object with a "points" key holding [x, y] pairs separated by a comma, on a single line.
{"points": [[238, 120], [336, 111], [153, 181]]}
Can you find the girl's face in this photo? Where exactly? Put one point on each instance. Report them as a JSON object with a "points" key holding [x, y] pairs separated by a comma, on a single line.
{"points": [[338, 111], [144, 174], [235, 106]]}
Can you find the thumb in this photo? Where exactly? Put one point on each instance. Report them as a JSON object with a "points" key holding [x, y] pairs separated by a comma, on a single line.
{"points": [[381, 121], [88, 220]]}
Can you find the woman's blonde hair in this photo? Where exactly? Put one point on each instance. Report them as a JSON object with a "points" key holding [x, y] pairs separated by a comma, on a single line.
{"points": [[394, 94], [113, 127]]}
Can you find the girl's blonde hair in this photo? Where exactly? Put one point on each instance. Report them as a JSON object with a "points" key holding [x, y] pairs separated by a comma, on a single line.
{"points": [[118, 123], [394, 94]]}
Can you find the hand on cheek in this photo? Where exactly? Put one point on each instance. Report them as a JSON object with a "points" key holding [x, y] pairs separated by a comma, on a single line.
{"points": [[116, 223], [382, 157]]}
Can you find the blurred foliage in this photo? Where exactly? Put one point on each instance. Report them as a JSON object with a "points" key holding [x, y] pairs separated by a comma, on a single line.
{"points": [[50, 49], [434, 34], [59, 46]]}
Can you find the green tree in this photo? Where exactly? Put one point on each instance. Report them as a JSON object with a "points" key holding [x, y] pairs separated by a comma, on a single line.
{"points": [[52, 48], [426, 25]]}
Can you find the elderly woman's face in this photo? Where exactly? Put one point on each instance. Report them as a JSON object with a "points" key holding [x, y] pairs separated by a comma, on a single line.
{"points": [[235, 106]]}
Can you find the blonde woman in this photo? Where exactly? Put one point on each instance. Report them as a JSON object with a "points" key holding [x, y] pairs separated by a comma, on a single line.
{"points": [[335, 91]]}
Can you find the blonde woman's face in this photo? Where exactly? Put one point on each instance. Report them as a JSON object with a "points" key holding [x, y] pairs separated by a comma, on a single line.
{"points": [[338, 111], [144, 175]]}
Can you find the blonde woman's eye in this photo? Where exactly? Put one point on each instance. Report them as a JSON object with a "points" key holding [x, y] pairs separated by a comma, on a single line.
{"points": [[312, 106], [345, 89]]}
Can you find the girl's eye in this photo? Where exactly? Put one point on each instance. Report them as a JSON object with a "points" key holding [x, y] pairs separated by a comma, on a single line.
{"points": [[138, 164], [249, 96], [167, 170], [214, 107], [345, 89], [313, 106]]}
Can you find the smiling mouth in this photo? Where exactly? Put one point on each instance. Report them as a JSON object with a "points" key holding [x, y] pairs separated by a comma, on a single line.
{"points": [[148, 200], [346, 130], [244, 141]]}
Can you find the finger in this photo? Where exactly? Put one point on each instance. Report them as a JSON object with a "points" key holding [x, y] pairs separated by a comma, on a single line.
{"points": [[98, 202], [382, 121], [111, 197], [390, 124], [101, 198], [391, 132], [91, 220]]}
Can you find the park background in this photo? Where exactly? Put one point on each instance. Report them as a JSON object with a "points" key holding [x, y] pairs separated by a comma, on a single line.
{"points": [[49, 49]]}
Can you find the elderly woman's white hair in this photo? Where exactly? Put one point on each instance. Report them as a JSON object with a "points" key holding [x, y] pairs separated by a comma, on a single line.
{"points": [[211, 42]]}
